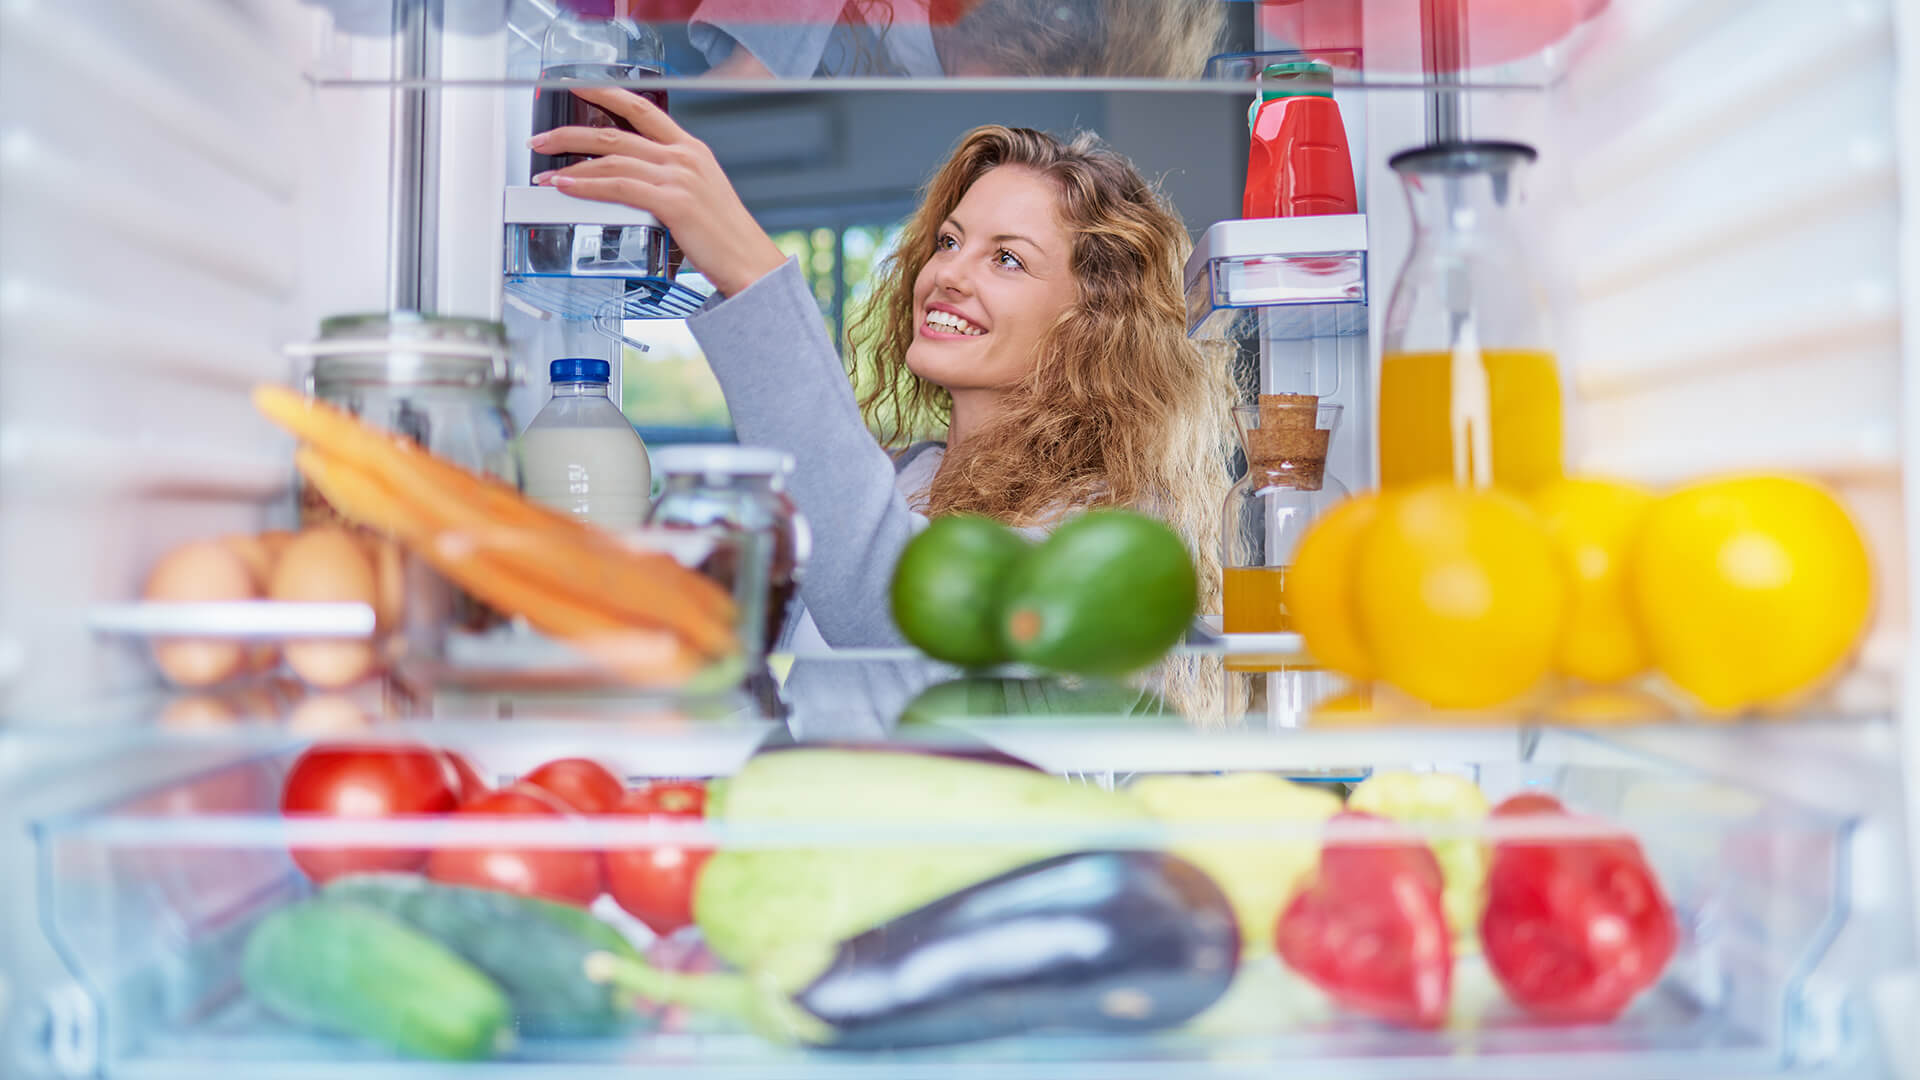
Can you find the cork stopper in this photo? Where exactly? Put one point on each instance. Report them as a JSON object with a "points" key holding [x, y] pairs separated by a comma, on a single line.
{"points": [[1289, 440]]}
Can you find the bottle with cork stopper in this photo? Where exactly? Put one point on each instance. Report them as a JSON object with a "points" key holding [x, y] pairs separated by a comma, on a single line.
{"points": [[1285, 438]]}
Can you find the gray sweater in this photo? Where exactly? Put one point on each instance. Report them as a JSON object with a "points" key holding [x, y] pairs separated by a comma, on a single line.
{"points": [[786, 388]]}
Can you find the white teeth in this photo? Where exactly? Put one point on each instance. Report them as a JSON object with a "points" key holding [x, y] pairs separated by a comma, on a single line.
{"points": [[951, 323]]}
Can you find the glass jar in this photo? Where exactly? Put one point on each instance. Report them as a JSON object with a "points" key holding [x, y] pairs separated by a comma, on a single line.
{"points": [[1285, 489], [744, 489], [591, 41], [1470, 387], [441, 382]]}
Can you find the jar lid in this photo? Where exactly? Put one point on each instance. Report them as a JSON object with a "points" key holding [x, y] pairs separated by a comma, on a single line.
{"points": [[408, 348], [720, 459]]}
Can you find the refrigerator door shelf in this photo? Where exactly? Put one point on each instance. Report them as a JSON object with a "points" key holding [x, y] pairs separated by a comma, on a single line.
{"points": [[1267, 262]]}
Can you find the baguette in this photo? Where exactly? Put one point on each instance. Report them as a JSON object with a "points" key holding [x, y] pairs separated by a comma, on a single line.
{"points": [[640, 656], [631, 586]]}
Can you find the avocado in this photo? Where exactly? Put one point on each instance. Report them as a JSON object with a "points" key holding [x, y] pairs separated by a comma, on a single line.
{"points": [[1108, 593], [947, 585]]}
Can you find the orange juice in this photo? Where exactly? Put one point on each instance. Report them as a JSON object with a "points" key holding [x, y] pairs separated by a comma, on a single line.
{"points": [[1482, 419], [1253, 599]]}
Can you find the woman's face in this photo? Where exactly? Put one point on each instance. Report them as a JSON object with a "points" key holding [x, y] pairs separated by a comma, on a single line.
{"points": [[1000, 274]]}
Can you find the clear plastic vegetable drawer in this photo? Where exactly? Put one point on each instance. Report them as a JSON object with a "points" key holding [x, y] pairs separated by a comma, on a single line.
{"points": [[917, 910]]}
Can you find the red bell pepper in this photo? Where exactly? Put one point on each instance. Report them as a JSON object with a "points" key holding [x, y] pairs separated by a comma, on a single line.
{"points": [[1369, 929], [1576, 927]]}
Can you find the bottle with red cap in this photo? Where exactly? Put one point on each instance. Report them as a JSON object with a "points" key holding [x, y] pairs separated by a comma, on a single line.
{"points": [[1298, 164]]}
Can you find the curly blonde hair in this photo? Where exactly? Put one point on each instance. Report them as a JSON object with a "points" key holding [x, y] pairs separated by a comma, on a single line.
{"points": [[1152, 39], [1118, 408]]}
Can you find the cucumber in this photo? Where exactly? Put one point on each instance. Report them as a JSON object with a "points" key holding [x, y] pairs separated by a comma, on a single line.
{"points": [[533, 948], [350, 970]]}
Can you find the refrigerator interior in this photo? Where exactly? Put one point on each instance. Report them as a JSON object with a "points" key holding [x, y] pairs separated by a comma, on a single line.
{"points": [[186, 188]]}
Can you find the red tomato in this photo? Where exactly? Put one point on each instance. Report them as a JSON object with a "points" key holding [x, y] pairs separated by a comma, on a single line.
{"points": [[1369, 931], [1575, 928], [584, 785], [364, 782], [470, 786], [655, 885], [571, 877], [1529, 802]]}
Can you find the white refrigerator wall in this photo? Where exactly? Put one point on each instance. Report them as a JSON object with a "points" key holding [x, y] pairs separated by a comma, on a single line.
{"points": [[178, 204]]}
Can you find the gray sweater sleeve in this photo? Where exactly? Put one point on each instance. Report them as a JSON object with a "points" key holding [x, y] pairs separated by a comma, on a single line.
{"points": [[786, 389]]}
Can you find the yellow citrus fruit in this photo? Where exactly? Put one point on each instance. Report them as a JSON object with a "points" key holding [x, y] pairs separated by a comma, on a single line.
{"points": [[1750, 589], [1592, 523], [1460, 596], [1318, 593], [1601, 706]]}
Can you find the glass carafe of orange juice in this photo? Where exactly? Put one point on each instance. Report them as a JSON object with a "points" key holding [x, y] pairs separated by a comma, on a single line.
{"points": [[1285, 489], [1470, 387]]}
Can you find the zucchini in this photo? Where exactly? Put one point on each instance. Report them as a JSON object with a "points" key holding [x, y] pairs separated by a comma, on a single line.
{"points": [[533, 948], [351, 970]]}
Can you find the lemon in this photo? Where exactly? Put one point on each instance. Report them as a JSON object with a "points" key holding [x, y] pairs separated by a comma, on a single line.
{"points": [[1319, 587], [1460, 596], [1592, 522], [1750, 589], [1604, 706]]}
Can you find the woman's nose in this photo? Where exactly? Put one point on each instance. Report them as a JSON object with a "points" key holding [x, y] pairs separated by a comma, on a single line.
{"points": [[950, 274]]}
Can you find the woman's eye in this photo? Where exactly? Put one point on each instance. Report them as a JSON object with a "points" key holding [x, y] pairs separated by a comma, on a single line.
{"points": [[1009, 259], [945, 242]]}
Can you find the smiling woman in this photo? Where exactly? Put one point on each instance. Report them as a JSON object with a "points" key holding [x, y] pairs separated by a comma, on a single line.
{"points": [[1031, 310]]}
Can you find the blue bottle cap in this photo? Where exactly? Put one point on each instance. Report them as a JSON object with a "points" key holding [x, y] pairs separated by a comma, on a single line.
{"points": [[579, 369]]}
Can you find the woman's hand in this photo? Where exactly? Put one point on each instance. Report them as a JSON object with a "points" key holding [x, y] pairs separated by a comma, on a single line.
{"points": [[671, 175]]}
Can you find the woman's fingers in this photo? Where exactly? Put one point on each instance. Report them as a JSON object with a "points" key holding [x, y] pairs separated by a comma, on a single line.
{"points": [[614, 189], [604, 167], [647, 118], [597, 142]]}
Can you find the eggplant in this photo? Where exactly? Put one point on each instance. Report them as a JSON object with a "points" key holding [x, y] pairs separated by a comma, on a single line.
{"points": [[1115, 941], [1100, 941]]}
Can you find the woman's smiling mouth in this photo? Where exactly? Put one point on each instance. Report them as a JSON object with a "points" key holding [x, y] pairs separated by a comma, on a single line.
{"points": [[949, 323]]}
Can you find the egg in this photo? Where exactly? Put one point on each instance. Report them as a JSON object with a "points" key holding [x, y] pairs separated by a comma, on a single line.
{"points": [[390, 572], [326, 566], [327, 714], [197, 712], [275, 541], [259, 557], [205, 571]]}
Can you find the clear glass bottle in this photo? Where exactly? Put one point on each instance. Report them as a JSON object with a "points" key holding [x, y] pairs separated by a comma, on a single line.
{"points": [[592, 41], [581, 456], [741, 489], [1285, 489], [1470, 387]]}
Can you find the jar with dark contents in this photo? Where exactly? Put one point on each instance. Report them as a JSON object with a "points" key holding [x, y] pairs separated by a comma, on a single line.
{"points": [[441, 382], [740, 489]]}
